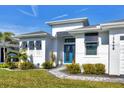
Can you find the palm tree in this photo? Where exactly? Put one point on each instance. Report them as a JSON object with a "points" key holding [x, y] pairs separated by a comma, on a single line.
{"points": [[6, 37], [22, 55]]}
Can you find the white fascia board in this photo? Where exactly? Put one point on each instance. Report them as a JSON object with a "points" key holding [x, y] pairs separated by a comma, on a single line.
{"points": [[112, 25], [43, 34], [86, 30], [67, 21]]}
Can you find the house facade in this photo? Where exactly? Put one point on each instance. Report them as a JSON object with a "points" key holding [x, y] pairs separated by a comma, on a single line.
{"points": [[75, 39]]}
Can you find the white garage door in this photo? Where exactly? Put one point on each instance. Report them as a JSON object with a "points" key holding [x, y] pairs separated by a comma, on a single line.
{"points": [[122, 55]]}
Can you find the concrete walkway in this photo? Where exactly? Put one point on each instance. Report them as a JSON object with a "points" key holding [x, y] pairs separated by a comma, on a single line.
{"points": [[61, 74]]}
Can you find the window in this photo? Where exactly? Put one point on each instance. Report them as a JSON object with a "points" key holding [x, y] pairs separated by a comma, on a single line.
{"points": [[91, 37], [69, 40], [91, 43], [38, 44], [24, 45], [121, 37], [91, 48], [31, 45]]}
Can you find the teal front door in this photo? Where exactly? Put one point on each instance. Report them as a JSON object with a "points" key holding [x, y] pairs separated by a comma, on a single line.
{"points": [[69, 53]]}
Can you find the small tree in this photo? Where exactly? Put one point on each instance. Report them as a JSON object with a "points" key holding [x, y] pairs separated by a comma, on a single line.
{"points": [[12, 54], [52, 56], [73, 61], [22, 55]]}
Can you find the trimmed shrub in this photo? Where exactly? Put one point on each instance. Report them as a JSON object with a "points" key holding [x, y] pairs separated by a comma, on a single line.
{"points": [[26, 65], [94, 69], [16, 64], [73, 68], [11, 65], [47, 65], [89, 68], [3, 65], [100, 69]]}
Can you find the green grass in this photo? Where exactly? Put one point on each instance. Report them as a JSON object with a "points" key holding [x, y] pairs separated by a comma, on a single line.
{"points": [[41, 78]]}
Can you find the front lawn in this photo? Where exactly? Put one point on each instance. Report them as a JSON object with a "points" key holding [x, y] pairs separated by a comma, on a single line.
{"points": [[42, 79]]}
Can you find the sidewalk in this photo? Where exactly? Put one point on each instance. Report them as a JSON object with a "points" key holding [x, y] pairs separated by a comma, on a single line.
{"points": [[60, 74]]}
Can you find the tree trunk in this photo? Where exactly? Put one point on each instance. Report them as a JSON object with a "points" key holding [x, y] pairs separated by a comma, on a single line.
{"points": [[4, 54], [4, 51]]}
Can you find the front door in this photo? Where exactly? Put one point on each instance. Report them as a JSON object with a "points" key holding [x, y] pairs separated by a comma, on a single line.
{"points": [[69, 53]]}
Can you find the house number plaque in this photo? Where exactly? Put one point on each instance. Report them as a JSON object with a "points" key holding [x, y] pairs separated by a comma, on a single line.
{"points": [[113, 43]]}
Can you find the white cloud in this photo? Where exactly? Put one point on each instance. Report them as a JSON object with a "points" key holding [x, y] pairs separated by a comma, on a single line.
{"points": [[26, 13], [82, 10], [17, 29], [34, 10], [61, 16], [64, 15]]}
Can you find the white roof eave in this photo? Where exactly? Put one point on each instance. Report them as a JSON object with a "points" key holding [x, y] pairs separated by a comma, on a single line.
{"points": [[112, 25], [86, 30], [66, 21], [43, 34]]}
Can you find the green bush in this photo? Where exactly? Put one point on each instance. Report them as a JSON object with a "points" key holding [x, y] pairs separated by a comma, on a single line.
{"points": [[89, 68], [11, 65], [73, 68], [3, 65], [47, 65], [94, 68], [100, 69], [16, 64], [26, 65]]}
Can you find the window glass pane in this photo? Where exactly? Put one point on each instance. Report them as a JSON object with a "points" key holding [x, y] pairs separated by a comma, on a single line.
{"points": [[24, 45], [121, 37], [69, 40], [38, 44], [91, 37], [31, 45], [67, 53], [91, 41], [91, 48]]}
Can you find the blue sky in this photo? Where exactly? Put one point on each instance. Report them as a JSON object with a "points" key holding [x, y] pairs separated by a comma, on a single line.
{"points": [[22, 19]]}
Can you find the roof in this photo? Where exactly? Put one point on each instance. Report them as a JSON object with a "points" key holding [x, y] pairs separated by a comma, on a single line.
{"points": [[87, 28], [74, 20], [113, 24], [9, 45], [118, 20], [38, 33], [100, 27]]}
